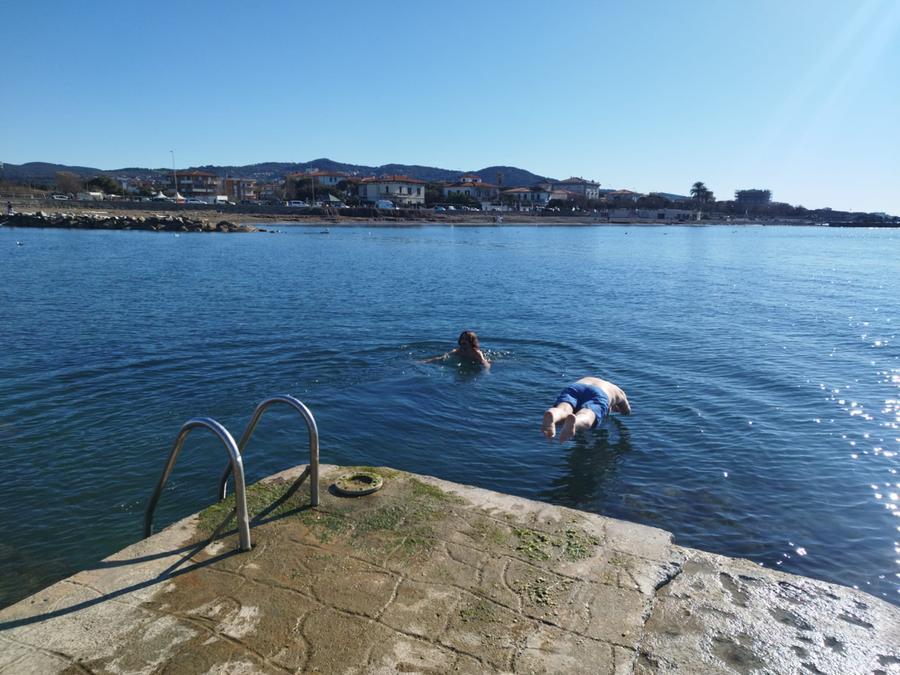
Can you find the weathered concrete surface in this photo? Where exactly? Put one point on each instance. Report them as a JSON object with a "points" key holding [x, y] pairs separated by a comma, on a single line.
{"points": [[432, 577]]}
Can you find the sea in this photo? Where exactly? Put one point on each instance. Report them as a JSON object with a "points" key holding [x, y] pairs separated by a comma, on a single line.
{"points": [[762, 365]]}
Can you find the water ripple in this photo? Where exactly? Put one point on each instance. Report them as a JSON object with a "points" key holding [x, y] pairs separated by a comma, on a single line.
{"points": [[762, 365]]}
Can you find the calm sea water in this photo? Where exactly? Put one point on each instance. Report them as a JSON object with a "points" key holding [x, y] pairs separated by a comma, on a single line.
{"points": [[761, 363]]}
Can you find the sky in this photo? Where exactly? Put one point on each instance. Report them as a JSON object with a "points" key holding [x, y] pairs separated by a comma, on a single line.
{"points": [[800, 97]]}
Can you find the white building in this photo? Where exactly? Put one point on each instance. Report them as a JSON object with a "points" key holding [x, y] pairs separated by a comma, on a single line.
{"points": [[472, 189], [527, 198], [588, 189], [326, 178], [402, 190]]}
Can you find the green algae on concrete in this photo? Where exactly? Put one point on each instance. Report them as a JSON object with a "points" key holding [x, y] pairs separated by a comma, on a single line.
{"points": [[261, 498], [406, 522], [571, 544], [431, 577]]}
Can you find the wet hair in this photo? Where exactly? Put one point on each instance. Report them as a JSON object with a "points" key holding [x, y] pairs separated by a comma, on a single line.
{"points": [[468, 336]]}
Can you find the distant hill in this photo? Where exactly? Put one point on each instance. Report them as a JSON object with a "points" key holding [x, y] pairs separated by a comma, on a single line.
{"points": [[44, 172], [512, 176]]}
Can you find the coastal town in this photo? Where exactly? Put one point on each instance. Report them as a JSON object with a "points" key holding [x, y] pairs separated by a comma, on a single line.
{"points": [[317, 191]]}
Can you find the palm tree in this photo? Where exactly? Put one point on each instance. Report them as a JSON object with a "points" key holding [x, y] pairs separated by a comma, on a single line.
{"points": [[701, 193]]}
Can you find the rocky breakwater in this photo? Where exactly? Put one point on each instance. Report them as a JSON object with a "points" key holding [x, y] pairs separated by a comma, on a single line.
{"points": [[102, 221]]}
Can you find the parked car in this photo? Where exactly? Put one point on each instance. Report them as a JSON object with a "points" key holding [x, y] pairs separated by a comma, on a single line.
{"points": [[384, 204], [60, 198]]}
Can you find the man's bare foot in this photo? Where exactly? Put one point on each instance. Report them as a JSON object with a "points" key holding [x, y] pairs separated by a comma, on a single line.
{"points": [[548, 427], [568, 429]]}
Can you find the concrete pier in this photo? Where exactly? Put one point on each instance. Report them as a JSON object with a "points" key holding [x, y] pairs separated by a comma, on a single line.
{"points": [[427, 576]]}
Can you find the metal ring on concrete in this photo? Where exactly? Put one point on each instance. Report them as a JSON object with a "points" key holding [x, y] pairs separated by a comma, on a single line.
{"points": [[358, 483]]}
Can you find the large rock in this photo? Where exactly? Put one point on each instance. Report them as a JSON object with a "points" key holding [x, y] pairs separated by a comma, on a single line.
{"points": [[94, 221]]}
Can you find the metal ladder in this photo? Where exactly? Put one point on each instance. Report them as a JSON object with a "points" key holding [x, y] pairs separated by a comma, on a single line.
{"points": [[236, 465], [311, 470]]}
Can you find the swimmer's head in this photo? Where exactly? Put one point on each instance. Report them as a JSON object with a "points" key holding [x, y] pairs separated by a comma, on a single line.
{"points": [[468, 339]]}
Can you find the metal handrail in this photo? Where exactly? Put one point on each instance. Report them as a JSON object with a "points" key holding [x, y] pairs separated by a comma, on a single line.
{"points": [[312, 470], [236, 465]]}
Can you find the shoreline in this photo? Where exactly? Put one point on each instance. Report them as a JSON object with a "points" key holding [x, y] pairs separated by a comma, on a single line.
{"points": [[199, 219], [407, 220]]}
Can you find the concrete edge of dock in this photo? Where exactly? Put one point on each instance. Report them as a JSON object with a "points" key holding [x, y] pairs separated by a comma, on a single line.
{"points": [[432, 576]]}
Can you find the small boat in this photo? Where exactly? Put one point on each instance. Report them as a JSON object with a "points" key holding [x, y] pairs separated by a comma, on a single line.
{"points": [[325, 231], [20, 243]]}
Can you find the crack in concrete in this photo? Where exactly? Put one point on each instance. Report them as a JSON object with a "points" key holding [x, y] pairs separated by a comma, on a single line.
{"points": [[479, 570], [505, 523], [11, 667], [520, 601], [300, 632], [387, 558], [72, 661], [347, 612], [525, 561], [452, 557], [391, 599], [636, 585], [202, 624], [668, 577], [469, 591]]}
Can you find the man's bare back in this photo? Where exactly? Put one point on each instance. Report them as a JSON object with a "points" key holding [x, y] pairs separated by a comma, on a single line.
{"points": [[583, 407], [618, 402]]}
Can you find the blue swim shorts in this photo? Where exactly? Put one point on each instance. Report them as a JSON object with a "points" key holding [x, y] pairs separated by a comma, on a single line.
{"points": [[588, 396]]}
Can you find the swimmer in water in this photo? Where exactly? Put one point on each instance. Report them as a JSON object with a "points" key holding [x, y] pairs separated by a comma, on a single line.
{"points": [[583, 405], [468, 350]]}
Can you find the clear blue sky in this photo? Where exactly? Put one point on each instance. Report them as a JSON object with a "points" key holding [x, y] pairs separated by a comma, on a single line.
{"points": [[802, 97]]}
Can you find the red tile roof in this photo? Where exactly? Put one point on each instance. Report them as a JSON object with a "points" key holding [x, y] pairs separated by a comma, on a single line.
{"points": [[476, 186], [392, 179]]}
